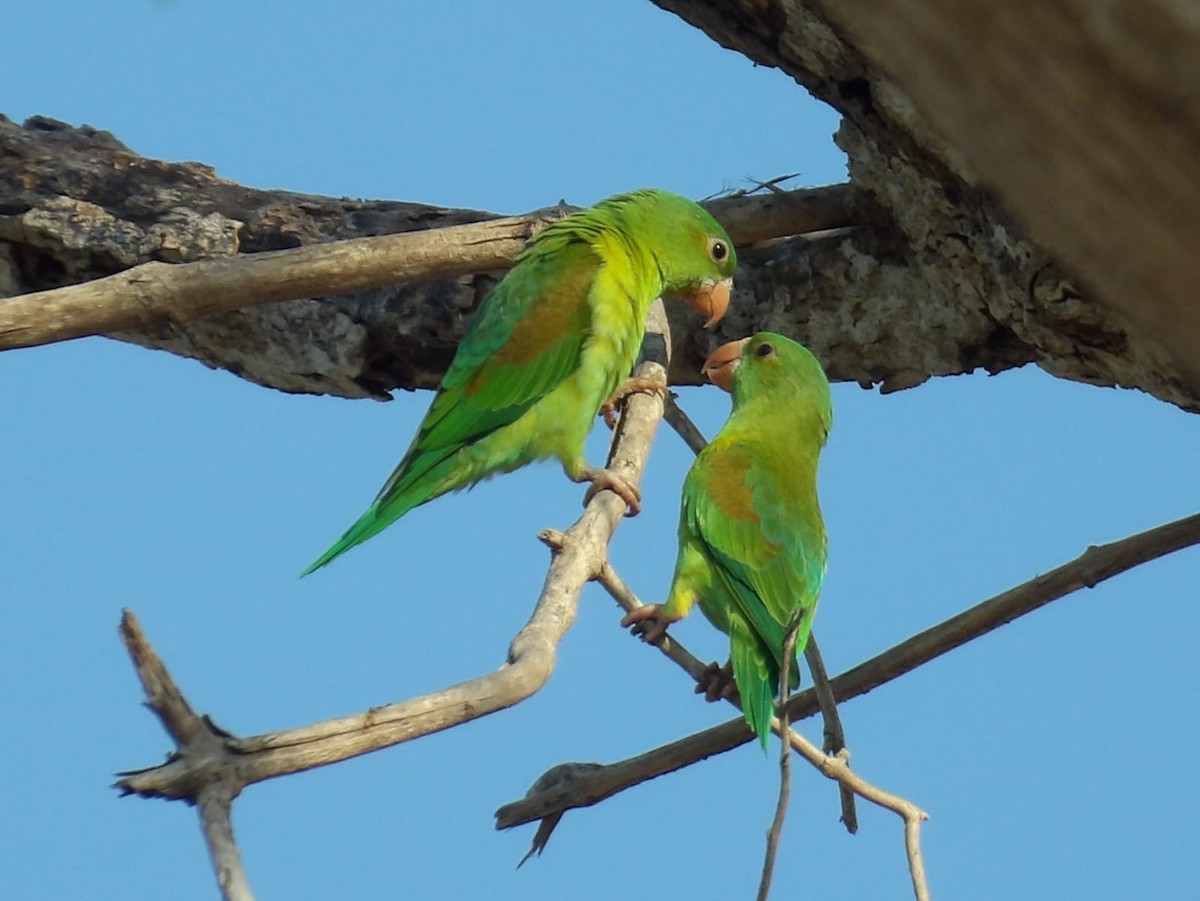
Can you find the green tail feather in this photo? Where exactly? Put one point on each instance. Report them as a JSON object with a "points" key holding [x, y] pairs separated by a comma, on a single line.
{"points": [[756, 683], [407, 489], [368, 525]]}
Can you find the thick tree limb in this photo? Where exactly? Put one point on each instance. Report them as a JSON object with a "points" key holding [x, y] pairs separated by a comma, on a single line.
{"points": [[931, 281], [1094, 566], [155, 296], [1082, 116]]}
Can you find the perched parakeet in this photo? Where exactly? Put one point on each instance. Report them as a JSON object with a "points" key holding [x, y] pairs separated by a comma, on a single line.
{"points": [[550, 344], [751, 539]]}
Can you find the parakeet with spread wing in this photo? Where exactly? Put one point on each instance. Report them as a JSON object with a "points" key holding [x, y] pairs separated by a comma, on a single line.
{"points": [[550, 344], [752, 542]]}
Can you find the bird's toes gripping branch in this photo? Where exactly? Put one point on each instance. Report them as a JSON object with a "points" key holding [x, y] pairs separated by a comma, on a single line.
{"points": [[631, 386], [716, 683], [648, 623], [607, 480]]}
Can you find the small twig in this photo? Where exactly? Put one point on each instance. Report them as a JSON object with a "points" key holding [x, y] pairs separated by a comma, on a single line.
{"points": [[785, 759], [835, 734], [836, 768], [611, 582]]}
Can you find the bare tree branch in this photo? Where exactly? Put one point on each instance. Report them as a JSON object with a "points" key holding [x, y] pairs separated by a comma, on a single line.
{"points": [[836, 768], [835, 735], [155, 295], [785, 760], [238, 762], [216, 821]]}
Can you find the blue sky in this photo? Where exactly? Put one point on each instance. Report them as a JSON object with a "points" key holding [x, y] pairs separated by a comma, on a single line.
{"points": [[1054, 755]]}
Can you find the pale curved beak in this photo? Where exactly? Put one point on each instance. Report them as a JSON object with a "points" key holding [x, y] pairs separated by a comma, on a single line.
{"points": [[712, 299], [722, 363]]}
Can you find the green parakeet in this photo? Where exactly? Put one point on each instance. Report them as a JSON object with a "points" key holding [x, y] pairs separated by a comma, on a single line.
{"points": [[550, 344], [751, 539]]}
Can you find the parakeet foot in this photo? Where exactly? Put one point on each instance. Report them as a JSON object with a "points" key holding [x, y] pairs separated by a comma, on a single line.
{"points": [[717, 682], [648, 623], [631, 386], [607, 480]]}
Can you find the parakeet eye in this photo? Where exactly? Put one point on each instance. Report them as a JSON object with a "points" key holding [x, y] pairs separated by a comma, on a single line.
{"points": [[718, 250], [765, 349]]}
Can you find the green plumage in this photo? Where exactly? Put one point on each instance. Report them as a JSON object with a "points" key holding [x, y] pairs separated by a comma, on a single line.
{"points": [[752, 542], [549, 345]]}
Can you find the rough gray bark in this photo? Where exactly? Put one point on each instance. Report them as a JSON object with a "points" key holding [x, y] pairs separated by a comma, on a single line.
{"points": [[934, 279], [1016, 88]]}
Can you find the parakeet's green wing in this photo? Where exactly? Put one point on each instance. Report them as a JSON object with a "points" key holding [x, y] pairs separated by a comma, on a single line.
{"points": [[737, 513], [770, 563], [525, 341]]}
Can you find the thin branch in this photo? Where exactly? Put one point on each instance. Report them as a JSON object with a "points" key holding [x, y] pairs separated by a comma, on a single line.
{"points": [[216, 821], [155, 294], [531, 656], [838, 769], [835, 734], [785, 760], [670, 647], [1094, 566]]}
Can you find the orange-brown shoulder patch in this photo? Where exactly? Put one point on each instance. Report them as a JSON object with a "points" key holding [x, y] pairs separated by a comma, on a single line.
{"points": [[559, 311], [728, 489], [555, 314]]}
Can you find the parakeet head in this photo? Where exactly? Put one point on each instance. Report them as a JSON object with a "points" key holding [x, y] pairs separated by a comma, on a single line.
{"points": [[772, 368], [689, 247]]}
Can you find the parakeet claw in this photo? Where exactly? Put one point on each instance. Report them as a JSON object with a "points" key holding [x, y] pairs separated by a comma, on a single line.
{"points": [[607, 480], [648, 623], [717, 683], [631, 386]]}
